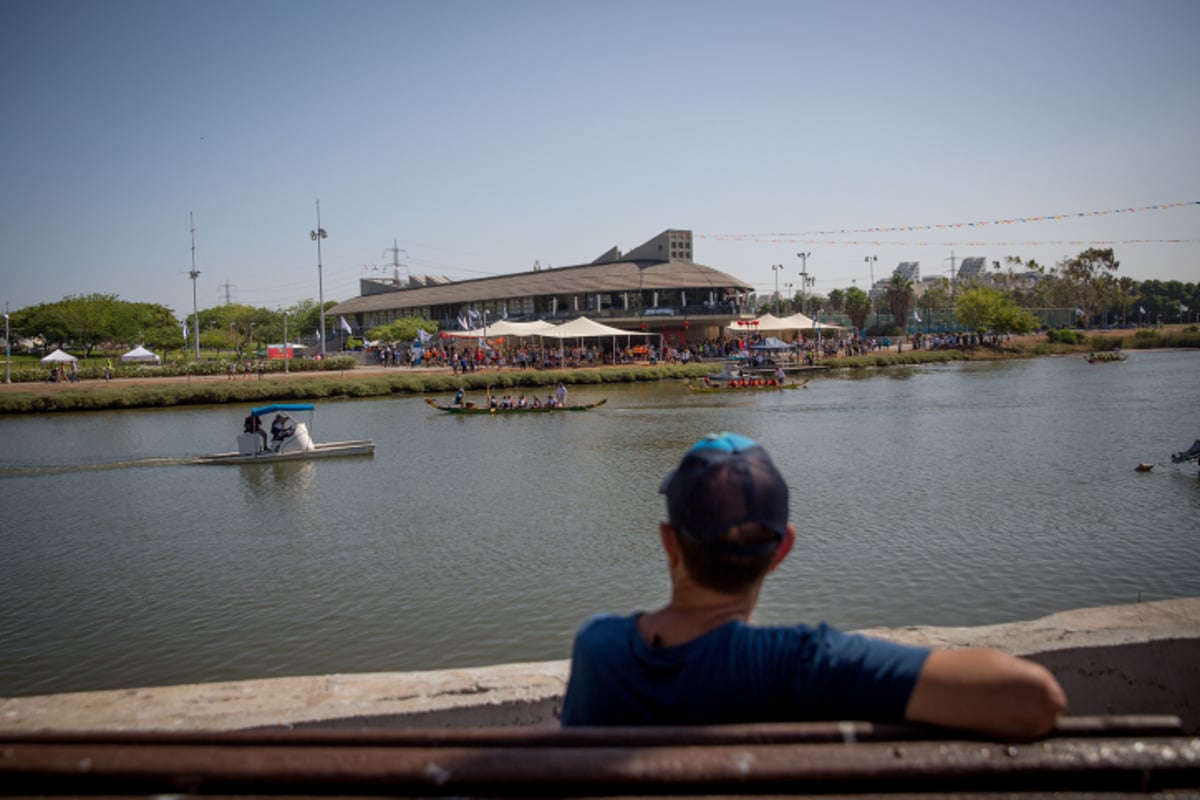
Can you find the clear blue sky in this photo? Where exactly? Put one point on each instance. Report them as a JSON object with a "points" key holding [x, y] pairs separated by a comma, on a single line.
{"points": [[485, 136]]}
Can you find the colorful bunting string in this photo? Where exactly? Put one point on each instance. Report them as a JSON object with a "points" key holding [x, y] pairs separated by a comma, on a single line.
{"points": [[1038, 243], [789, 237]]}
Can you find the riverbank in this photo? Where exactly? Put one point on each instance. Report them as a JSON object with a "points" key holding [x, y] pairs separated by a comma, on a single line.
{"points": [[148, 391], [1142, 658]]}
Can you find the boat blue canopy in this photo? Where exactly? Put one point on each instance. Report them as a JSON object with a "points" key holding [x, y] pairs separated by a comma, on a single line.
{"points": [[258, 412]]}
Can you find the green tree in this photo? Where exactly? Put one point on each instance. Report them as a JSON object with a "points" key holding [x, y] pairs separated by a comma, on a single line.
{"points": [[152, 325], [1088, 278], [44, 321], [858, 307], [936, 295], [837, 301], [983, 309], [402, 330]]}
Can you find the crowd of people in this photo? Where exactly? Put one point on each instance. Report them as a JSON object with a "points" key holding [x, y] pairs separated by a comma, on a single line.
{"points": [[464, 358]]}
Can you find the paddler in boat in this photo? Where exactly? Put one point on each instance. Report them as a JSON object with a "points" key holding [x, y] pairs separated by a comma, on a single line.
{"points": [[254, 425], [281, 428], [458, 397], [780, 376]]}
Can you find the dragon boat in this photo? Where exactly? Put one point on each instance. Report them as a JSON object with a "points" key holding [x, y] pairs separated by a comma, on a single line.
{"points": [[471, 408]]}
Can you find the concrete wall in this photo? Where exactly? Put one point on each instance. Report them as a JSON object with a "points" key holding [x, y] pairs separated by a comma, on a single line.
{"points": [[1136, 659]]}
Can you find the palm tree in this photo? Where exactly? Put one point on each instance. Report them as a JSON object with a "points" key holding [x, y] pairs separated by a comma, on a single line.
{"points": [[858, 307], [899, 298]]}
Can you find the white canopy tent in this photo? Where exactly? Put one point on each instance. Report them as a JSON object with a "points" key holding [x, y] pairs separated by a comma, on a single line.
{"points": [[580, 328], [584, 328], [142, 355], [502, 328], [59, 357], [769, 322], [799, 322]]}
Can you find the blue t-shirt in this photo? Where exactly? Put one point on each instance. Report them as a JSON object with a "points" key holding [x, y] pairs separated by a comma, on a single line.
{"points": [[736, 673]]}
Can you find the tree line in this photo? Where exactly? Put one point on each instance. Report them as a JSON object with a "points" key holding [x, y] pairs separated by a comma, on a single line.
{"points": [[104, 321], [1000, 301]]}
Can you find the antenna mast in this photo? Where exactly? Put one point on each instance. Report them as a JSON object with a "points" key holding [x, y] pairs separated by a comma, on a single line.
{"points": [[194, 275], [396, 250]]}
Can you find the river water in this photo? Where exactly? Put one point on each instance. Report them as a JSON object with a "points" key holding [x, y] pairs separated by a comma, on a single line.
{"points": [[944, 495]]}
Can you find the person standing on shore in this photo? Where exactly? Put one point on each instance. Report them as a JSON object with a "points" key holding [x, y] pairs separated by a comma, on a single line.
{"points": [[699, 661]]}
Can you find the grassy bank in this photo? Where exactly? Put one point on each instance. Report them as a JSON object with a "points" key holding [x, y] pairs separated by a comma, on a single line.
{"points": [[101, 396]]}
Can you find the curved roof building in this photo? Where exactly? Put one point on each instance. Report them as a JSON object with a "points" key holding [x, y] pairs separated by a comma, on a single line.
{"points": [[655, 286]]}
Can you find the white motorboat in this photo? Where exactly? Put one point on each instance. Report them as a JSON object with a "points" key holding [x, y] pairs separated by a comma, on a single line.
{"points": [[290, 440]]}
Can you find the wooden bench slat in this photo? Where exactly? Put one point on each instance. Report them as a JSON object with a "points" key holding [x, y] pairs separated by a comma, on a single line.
{"points": [[1126, 753], [1126, 763]]}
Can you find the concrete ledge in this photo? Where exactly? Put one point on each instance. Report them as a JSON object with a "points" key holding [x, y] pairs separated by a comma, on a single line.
{"points": [[1135, 659]]}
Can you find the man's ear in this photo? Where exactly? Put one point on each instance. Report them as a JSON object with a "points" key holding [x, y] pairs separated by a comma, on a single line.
{"points": [[785, 547], [670, 542]]}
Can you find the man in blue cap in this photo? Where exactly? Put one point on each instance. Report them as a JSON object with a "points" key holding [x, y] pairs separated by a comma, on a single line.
{"points": [[699, 661]]}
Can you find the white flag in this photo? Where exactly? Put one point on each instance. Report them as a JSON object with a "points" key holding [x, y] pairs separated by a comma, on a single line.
{"points": [[1142, 309], [345, 325], [1184, 308], [423, 335], [916, 316], [318, 334], [185, 331]]}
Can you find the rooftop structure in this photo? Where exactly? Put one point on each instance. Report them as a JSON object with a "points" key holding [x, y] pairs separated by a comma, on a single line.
{"points": [[909, 269], [973, 268]]}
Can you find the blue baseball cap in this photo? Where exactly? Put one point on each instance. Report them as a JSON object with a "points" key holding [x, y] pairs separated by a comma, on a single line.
{"points": [[723, 480]]}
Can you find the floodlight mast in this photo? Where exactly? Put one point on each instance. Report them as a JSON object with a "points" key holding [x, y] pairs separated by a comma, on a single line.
{"points": [[7, 346], [317, 236], [804, 282]]}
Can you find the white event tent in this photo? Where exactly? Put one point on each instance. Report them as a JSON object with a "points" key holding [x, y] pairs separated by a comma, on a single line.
{"points": [[141, 354], [579, 328], [502, 328], [59, 357], [770, 322]]}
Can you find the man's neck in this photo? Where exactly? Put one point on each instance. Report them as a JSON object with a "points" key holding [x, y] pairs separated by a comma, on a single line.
{"points": [[693, 612]]}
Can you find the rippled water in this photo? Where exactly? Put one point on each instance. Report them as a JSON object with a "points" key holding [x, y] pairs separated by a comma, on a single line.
{"points": [[949, 495]]}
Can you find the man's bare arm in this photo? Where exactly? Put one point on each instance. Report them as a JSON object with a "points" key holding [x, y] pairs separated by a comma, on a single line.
{"points": [[988, 692]]}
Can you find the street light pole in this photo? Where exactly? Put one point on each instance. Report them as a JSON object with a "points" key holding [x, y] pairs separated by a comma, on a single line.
{"points": [[317, 236], [871, 264], [803, 282], [287, 351], [7, 346], [776, 268]]}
